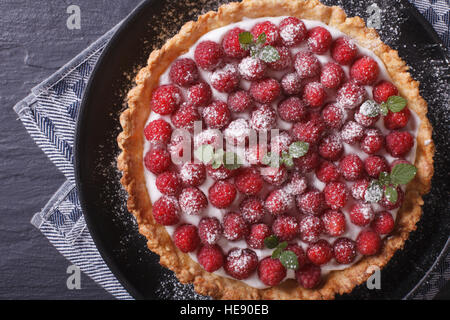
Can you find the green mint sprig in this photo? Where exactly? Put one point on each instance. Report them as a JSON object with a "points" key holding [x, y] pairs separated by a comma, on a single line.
{"points": [[287, 258], [372, 109], [207, 155], [401, 174], [257, 47], [296, 150]]}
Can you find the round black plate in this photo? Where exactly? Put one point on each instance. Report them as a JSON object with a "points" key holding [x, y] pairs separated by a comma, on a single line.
{"points": [[104, 202]]}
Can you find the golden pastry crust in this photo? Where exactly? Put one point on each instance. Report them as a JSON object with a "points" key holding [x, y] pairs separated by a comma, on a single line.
{"points": [[131, 142]]}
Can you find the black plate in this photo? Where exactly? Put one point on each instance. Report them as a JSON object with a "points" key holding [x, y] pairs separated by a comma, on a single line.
{"points": [[103, 200]]}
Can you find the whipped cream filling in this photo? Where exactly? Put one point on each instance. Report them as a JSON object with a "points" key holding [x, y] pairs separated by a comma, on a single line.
{"points": [[351, 230]]}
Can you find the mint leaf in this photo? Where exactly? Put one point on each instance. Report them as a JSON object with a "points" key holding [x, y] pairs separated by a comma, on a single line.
{"points": [[289, 260], [231, 161], [283, 245], [205, 153], [403, 173], [277, 253], [298, 149], [396, 103], [245, 38], [288, 161], [216, 164], [391, 194], [261, 39], [269, 54], [384, 178], [384, 109], [272, 160], [271, 242]]}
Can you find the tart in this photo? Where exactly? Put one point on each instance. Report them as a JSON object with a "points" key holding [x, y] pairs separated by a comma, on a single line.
{"points": [[275, 150]]}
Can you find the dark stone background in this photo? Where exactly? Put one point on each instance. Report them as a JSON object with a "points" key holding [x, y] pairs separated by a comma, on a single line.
{"points": [[34, 43]]}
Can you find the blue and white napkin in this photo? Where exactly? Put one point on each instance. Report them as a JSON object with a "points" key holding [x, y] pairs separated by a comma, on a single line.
{"points": [[50, 113]]}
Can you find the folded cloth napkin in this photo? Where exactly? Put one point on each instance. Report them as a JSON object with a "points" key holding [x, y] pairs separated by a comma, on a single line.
{"points": [[49, 114]]}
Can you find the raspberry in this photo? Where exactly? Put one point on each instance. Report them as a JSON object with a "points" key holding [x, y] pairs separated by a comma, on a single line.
{"points": [[359, 189], [306, 64], [168, 183], [237, 132], [297, 185], [210, 257], [398, 143], [166, 99], [383, 223], [285, 227], [361, 214], [327, 172], [271, 272], [385, 203], [319, 40], [166, 211], [209, 136], [344, 250], [285, 60], [274, 176], [309, 276], [178, 143], [291, 83], [299, 252], [365, 120], [383, 90], [368, 242], [308, 162], [312, 202], [240, 263], [208, 55], [397, 120], [258, 232], [186, 238], [158, 132], [372, 141], [231, 45], [292, 31], [269, 29], [396, 162], [193, 174], [222, 194], [350, 95], [332, 75], [333, 116], [314, 94], [249, 182], [239, 101], [365, 71], [199, 94], [263, 118], [185, 117], [234, 226], [225, 79], [331, 148], [252, 69], [351, 167], [157, 160], [334, 222], [216, 115], [252, 209], [310, 131], [192, 201], [352, 132], [209, 230], [280, 143], [220, 173], [311, 227], [266, 90], [320, 252], [184, 72], [374, 165], [344, 51], [336, 195], [278, 202]]}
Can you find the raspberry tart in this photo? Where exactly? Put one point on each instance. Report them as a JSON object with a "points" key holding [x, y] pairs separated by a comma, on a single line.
{"points": [[275, 150]]}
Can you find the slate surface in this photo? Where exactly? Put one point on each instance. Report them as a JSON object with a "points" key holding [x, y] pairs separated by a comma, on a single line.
{"points": [[34, 43]]}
